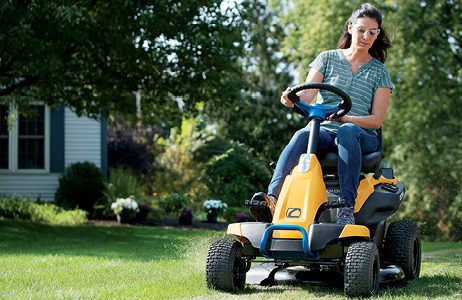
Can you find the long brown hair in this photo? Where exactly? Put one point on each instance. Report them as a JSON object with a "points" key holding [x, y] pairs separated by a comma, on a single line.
{"points": [[381, 44]]}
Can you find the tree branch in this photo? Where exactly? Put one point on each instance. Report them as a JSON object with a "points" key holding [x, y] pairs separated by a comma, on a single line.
{"points": [[11, 89]]}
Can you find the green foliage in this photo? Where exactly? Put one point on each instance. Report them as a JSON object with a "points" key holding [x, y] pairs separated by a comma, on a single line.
{"points": [[22, 209], [236, 175], [422, 135], [122, 183], [93, 55], [82, 185], [179, 171], [173, 203], [256, 118], [314, 26]]}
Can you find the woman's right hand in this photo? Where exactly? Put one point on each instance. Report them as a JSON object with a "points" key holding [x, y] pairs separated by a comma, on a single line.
{"points": [[285, 100]]}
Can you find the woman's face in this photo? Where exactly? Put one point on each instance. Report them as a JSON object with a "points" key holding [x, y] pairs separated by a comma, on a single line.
{"points": [[363, 33]]}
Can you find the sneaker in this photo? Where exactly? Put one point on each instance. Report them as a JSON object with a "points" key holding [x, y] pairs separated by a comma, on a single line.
{"points": [[264, 213], [261, 214], [345, 216], [270, 200]]}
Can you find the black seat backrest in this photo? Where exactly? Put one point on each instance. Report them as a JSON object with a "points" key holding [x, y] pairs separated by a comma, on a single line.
{"points": [[371, 161]]}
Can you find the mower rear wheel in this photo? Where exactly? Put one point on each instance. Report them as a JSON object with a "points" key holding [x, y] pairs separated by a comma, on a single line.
{"points": [[402, 248], [362, 270], [225, 269]]}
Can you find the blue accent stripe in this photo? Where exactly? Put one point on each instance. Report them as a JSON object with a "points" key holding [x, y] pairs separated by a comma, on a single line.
{"points": [[269, 231]]}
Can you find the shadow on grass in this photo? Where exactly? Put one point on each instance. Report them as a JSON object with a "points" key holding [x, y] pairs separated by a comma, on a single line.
{"points": [[135, 243]]}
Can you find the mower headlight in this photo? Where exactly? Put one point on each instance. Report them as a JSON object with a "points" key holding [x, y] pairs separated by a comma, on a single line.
{"points": [[304, 164]]}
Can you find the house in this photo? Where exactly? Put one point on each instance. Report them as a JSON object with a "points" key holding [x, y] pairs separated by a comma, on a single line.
{"points": [[35, 151]]}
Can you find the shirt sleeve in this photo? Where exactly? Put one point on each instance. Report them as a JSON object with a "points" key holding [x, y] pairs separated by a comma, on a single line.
{"points": [[385, 80], [320, 63]]}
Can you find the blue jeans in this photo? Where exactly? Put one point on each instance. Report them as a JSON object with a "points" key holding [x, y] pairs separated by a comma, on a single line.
{"points": [[352, 141]]}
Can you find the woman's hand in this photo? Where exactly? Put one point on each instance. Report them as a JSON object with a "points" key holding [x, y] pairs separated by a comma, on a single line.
{"points": [[339, 120], [285, 100], [378, 111], [306, 96]]}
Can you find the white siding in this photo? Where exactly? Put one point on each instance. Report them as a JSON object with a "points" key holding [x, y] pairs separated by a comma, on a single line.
{"points": [[82, 142], [82, 139], [31, 186]]}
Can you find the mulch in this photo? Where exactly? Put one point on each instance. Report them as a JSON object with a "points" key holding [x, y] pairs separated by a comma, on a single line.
{"points": [[196, 225]]}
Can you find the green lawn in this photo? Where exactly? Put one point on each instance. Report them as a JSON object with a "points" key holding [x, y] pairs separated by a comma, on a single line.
{"points": [[40, 261]]}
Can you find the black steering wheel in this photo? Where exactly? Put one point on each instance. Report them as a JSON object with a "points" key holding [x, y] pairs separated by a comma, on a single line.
{"points": [[340, 110]]}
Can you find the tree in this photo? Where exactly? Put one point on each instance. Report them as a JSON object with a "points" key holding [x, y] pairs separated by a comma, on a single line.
{"points": [[423, 129], [257, 119], [93, 55]]}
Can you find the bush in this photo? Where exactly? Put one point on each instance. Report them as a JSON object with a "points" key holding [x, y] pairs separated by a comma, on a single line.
{"points": [[174, 203], [21, 209], [235, 176], [128, 147], [82, 186], [122, 184]]}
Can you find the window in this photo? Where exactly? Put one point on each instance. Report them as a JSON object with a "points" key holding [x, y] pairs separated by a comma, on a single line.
{"points": [[23, 140], [31, 140]]}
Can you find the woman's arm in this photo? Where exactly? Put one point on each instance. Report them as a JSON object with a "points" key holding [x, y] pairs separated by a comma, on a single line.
{"points": [[378, 112], [306, 96]]}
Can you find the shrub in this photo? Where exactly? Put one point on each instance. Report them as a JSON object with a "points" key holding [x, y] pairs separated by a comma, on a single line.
{"points": [[21, 209], [235, 176], [174, 203], [129, 147], [82, 186], [122, 183]]}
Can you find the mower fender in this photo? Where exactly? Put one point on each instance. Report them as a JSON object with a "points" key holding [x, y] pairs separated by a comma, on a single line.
{"points": [[251, 231], [319, 235]]}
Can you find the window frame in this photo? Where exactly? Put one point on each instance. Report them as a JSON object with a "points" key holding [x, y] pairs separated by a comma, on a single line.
{"points": [[13, 144]]}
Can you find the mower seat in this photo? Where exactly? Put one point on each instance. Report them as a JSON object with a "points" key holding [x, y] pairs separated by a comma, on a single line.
{"points": [[370, 164]]}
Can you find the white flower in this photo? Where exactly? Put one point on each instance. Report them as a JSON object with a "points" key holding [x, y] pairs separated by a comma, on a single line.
{"points": [[127, 204], [214, 206]]}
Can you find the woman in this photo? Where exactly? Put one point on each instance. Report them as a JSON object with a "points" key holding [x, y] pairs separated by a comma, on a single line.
{"points": [[357, 68]]}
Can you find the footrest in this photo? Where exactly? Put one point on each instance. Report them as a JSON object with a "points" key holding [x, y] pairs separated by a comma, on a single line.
{"points": [[335, 204], [256, 203]]}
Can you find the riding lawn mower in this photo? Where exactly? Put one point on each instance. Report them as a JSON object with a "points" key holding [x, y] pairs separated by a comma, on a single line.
{"points": [[304, 244]]}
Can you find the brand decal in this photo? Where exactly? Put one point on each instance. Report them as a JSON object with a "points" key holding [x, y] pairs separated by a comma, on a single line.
{"points": [[334, 191], [293, 213], [401, 196]]}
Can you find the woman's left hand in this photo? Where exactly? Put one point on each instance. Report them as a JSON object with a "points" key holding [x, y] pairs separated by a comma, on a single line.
{"points": [[340, 120]]}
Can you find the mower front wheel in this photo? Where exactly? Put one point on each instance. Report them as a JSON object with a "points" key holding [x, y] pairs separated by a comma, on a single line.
{"points": [[225, 269], [362, 270]]}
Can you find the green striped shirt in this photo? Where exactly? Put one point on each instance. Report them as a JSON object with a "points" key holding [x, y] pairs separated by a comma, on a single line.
{"points": [[360, 86]]}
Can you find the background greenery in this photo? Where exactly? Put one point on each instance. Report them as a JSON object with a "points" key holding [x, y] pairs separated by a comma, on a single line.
{"points": [[22, 209], [208, 76]]}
